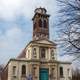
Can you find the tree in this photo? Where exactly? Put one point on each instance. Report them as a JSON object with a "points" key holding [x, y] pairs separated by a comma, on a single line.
{"points": [[69, 26]]}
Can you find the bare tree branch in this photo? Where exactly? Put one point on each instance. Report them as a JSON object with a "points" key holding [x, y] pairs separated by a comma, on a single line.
{"points": [[69, 26]]}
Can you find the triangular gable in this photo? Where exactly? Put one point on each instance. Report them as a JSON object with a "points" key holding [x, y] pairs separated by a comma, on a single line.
{"points": [[45, 42]]}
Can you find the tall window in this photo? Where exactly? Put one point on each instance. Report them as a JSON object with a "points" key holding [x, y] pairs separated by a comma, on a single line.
{"points": [[43, 53], [14, 70], [45, 24], [40, 23], [61, 71], [34, 53], [52, 54], [23, 70], [52, 73]]}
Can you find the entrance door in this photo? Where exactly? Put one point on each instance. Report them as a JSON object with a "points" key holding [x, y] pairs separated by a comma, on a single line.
{"points": [[44, 74]]}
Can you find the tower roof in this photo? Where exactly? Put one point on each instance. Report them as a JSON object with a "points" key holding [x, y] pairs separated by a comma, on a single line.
{"points": [[40, 10]]}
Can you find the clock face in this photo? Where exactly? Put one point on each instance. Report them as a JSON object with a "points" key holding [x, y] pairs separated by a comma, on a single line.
{"points": [[38, 10]]}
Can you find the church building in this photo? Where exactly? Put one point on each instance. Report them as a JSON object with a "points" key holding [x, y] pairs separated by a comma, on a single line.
{"points": [[38, 60]]}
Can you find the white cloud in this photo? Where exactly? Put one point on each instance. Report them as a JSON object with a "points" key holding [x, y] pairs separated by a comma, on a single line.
{"points": [[11, 38], [11, 43], [10, 8], [66, 58], [14, 38]]}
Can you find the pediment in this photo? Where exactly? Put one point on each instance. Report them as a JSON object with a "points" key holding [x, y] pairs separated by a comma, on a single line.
{"points": [[45, 42]]}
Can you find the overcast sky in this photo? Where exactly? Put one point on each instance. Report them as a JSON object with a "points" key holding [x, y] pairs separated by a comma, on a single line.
{"points": [[16, 24]]}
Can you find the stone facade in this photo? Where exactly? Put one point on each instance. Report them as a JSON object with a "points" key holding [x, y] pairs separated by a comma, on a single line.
{"points": [[38, 60]]}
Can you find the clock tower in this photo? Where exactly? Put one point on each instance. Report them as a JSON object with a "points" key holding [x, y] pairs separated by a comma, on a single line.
{"points": [[40, 24]]}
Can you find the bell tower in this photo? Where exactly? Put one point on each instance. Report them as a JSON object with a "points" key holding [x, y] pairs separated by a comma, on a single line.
{"points": [[40, 24]]}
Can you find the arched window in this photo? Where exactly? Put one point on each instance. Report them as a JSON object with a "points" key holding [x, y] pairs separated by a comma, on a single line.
{"points": [[61, 71], [43, 53], [23, 70], [40, 23], [45, 24]]}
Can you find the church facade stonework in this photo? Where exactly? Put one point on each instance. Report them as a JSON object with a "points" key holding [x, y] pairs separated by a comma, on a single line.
{"points": [[38, 60]]}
